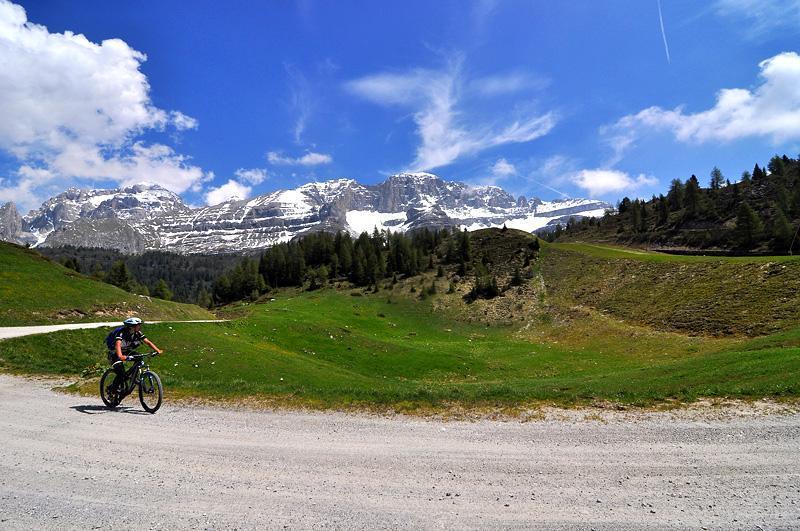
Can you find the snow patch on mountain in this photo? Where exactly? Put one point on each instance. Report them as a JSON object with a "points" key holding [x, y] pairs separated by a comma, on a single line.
{"points": [[146, 216]]}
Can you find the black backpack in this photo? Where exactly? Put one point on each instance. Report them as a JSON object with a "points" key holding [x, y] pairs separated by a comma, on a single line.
{"points": [[111, 338]]}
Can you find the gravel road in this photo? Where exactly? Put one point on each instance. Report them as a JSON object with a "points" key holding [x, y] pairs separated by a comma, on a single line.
{"points": [[66, 462]]}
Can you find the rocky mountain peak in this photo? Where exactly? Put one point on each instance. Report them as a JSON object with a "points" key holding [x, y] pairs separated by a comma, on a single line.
{"points": [[146, 216]]}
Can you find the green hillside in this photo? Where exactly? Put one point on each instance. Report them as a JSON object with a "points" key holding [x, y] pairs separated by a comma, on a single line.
{"points": [[34, 290], [691, 294], [330, 349], [571, 324]]}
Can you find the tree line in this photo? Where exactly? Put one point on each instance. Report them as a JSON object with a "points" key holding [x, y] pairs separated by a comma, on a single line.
{"points": [[311, 261], [321, 257], [171, 276], [760, 212]]}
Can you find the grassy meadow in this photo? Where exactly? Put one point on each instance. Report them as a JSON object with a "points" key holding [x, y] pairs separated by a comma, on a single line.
{"points": [[590, 324], [329, 349]]}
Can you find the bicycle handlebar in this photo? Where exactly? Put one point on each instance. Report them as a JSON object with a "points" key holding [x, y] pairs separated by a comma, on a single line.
{"points": [[140, 356]]}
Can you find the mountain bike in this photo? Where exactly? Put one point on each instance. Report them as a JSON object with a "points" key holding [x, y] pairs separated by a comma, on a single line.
{"points": [[150, 390]]}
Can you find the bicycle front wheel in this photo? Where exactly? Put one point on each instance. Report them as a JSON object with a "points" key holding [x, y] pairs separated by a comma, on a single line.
{"points": [[109, 389], [150, 391]]}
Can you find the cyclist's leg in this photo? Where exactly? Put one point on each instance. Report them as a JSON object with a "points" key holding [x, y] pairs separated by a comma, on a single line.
{"points": [[119, 370], [132, 368]]}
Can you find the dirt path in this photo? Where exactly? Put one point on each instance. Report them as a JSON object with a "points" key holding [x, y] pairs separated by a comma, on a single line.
{"points": [[66, 462], [7, 332]]}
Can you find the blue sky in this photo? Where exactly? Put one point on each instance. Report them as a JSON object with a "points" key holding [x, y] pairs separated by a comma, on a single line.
{"points": [[580, 98]]}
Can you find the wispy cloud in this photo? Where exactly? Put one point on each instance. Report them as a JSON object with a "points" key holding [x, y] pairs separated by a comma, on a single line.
{"points": [[251, 175], [503, 168], [502, 84], [765, 18], [300, 101], [771, 110], [446, 130], [309, 159]]}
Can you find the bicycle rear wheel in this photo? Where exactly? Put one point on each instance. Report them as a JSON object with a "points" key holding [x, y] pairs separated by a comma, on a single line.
{"points": [[150, 391], [109, 389]]}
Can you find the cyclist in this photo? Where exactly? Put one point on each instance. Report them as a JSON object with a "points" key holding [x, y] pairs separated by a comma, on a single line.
{"points": [[122, 342]]}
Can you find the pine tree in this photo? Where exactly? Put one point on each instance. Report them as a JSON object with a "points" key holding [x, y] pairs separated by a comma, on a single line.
{"points": [[675, 195], [716, 179], [120, 276], [97, 271], [635, 216], [746, 179], [795, 208], [758, 173], [782, 232], [776, 166], [748, 226], [203, 299], [692, 197], [464, 246], [162, 290], [643, 217], [663, 210]]}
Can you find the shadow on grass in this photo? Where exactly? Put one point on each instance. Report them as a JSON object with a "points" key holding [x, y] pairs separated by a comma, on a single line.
{"points": [[95, 409]]}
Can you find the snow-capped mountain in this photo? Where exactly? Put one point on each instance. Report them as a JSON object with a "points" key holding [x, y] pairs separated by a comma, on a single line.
{"points": [[147, 216]]}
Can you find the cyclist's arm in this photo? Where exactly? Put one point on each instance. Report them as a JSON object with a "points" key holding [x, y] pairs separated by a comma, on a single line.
{"points": [[152, 345], [118, 350]]}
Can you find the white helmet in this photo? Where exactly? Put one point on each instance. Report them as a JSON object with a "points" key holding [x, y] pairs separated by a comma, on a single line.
{"points": [[132, 321]]}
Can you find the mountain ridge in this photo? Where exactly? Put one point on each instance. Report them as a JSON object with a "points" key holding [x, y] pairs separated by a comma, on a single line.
{"points": [[146, 216]]}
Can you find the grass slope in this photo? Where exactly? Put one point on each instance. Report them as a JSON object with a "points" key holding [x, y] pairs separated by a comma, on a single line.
{"points": [[328, 349], [34, 290], [692, 294]]}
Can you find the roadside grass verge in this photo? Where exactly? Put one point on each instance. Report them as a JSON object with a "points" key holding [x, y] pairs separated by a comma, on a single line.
{"points": [[326, 349], [34, 290]]}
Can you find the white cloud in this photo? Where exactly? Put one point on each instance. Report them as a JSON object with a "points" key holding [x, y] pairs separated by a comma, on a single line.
{"points": [[445, 131], [252, 175], [230, 190], [57, 86], [771, 109], [503, 168], [309, 159], [74, 108], [764, 17], [182, 122], [153, 163], [599, 182]]}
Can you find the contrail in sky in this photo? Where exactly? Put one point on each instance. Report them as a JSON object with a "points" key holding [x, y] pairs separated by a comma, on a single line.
{"points": [[663, 33], [562, 194]]}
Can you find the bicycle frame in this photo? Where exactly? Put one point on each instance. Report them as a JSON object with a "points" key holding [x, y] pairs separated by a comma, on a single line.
{"points": [[133, 376]]}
